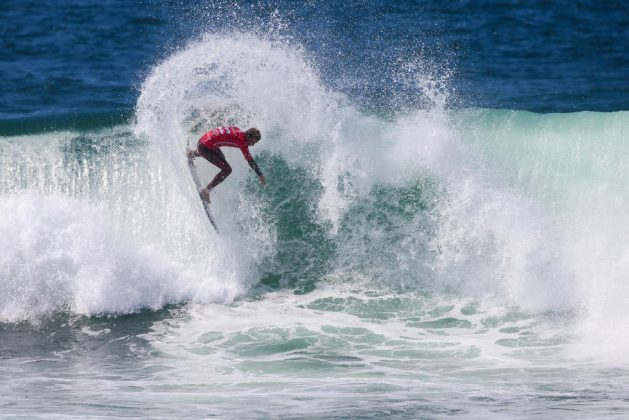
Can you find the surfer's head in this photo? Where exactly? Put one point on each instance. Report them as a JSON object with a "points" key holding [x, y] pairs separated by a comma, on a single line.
{"points": [[252, 136]]}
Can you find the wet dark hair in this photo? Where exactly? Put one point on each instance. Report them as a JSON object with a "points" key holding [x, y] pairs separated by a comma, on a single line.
{"points": [[253, 133]]}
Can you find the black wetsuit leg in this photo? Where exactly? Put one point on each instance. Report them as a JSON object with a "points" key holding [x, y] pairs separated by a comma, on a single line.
{"points": [[216, 158]]}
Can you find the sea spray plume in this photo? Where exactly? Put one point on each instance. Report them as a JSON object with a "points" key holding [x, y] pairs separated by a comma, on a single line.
{"points": [[275, 86], [477, 236], [237, 80]]}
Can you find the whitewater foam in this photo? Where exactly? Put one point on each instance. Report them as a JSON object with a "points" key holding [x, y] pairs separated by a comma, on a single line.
{"points": [[61, 254]]}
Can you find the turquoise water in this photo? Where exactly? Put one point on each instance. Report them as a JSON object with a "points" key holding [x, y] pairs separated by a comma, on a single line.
{"points": [[425, 262]]}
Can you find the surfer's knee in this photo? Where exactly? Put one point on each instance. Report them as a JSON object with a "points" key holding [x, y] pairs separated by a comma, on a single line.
{"points": [[227, 169]]}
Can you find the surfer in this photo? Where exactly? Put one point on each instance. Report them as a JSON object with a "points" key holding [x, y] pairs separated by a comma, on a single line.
{"points": [[209, 145]]}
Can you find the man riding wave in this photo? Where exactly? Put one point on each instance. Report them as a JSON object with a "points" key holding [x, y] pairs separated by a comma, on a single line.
{"points": [[209, 145]]}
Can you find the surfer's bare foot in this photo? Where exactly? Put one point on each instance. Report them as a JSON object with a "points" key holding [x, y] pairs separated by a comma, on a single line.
{"points": [[205, 195]]}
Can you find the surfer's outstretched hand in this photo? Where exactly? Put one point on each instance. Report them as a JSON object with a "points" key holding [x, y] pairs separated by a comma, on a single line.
{"points": [[192, 154], [262, 180]]}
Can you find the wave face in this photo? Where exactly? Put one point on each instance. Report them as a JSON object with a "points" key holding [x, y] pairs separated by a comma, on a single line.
{"points": [[517, 208]]}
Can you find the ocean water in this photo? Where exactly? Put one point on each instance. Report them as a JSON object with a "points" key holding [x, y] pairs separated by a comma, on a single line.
{"points": [[443, 232]]}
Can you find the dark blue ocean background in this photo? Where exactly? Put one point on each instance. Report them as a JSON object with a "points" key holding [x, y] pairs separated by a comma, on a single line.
{"points": [[79, 62]]}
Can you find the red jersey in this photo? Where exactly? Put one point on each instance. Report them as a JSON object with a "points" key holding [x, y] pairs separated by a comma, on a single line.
{"points": [[226, 136]]}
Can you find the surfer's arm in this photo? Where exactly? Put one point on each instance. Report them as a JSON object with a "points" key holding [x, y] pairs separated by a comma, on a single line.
{"points": [[252, 163]]}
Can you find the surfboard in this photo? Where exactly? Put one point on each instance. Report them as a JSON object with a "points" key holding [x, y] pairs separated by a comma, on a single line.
{"points": [[197, 183]]}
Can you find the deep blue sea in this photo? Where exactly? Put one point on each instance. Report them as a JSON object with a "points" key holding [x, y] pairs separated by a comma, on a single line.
{"points": [[444, 232]]}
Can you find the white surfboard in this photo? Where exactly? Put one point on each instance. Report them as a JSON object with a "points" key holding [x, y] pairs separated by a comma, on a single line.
{"points": [[197, 183]]}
